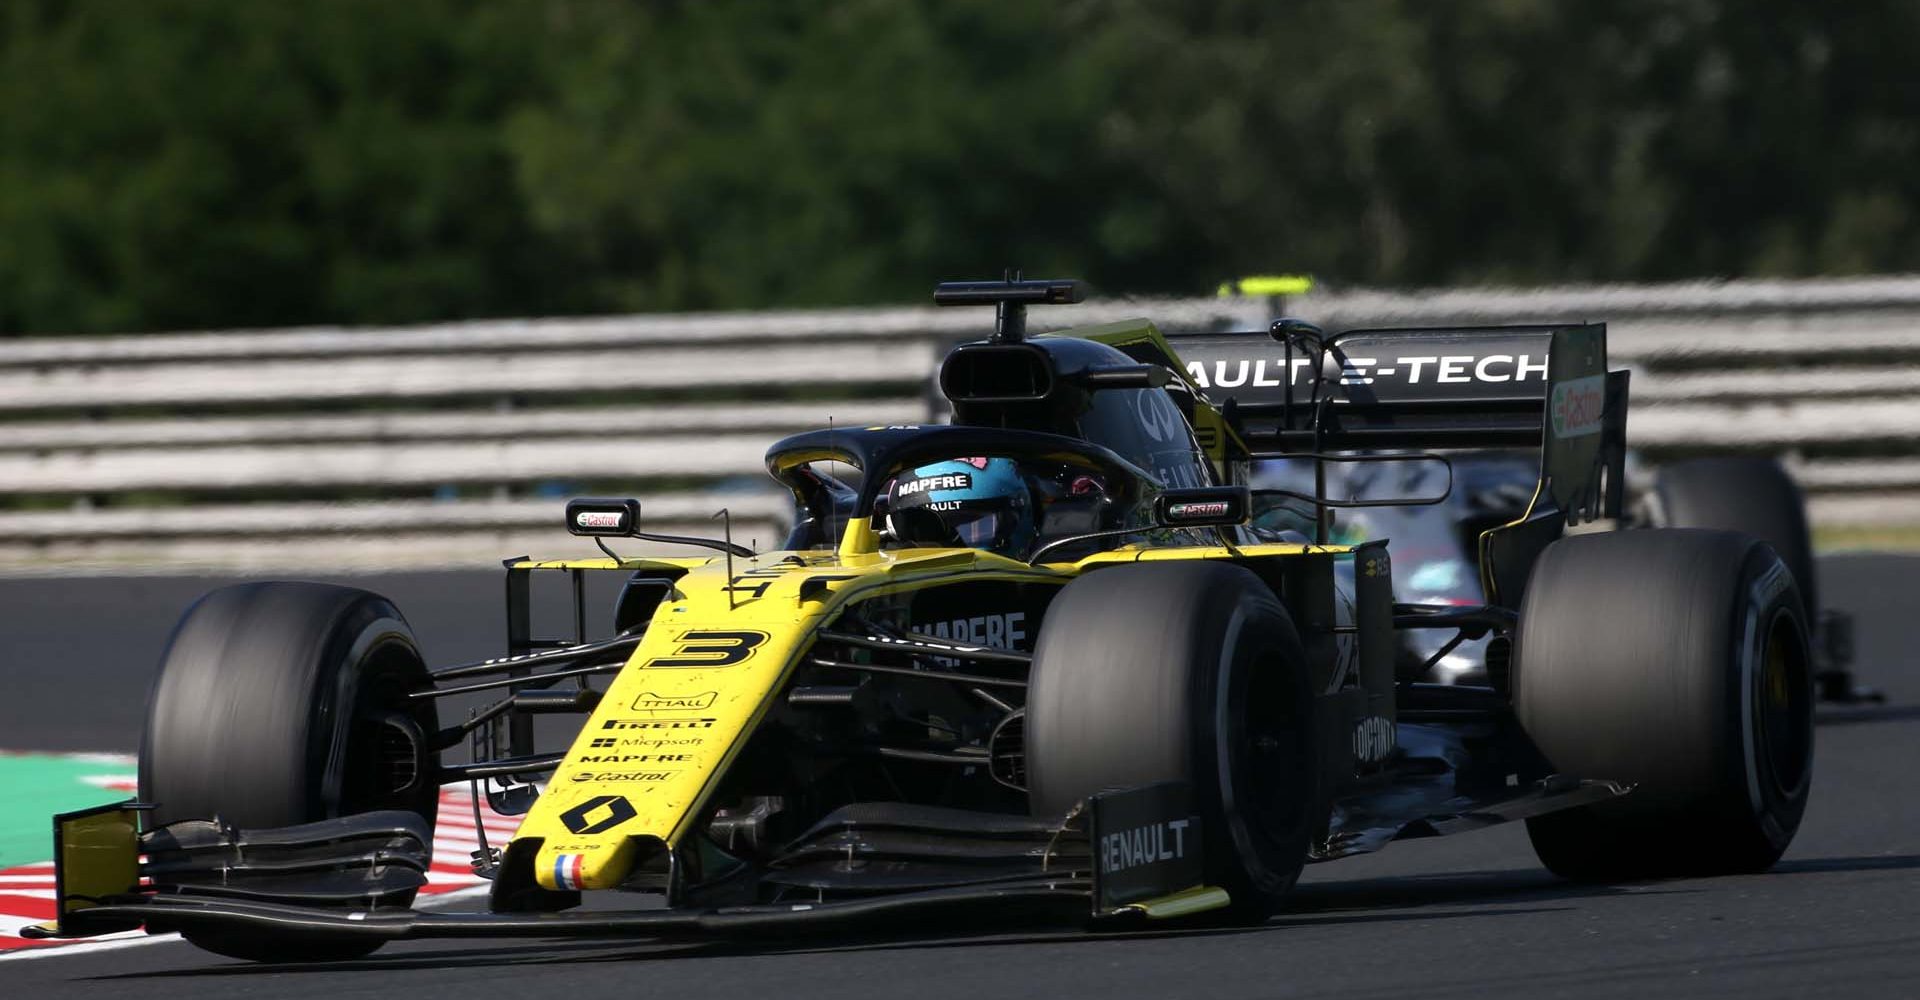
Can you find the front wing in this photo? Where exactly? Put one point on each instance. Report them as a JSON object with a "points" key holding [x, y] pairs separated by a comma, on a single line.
{"points": [[1131, 854]]}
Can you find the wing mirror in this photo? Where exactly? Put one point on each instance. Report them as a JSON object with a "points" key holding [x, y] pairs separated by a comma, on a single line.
{"points": [[603, 518], [599, 517], [1203, 507]]}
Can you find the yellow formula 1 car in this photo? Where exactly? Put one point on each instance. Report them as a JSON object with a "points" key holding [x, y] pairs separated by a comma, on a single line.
{"points": [[1036, 661]]}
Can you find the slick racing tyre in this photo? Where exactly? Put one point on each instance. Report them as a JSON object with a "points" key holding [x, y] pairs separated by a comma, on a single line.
{"points": [[279, 704], [1676, 661], [1182, 672], [1746, 494]]}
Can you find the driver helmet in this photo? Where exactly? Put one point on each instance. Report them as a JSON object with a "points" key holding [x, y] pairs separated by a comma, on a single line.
{"points": [[981, 503]]}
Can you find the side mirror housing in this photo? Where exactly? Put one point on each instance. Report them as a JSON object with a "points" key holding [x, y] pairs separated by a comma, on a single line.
{"points": [[605, 518], [1203, 507]]}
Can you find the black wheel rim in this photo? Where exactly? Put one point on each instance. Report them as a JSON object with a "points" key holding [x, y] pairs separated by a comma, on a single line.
{"points": [[388, 765], [1266, 749], [1782, 706]]}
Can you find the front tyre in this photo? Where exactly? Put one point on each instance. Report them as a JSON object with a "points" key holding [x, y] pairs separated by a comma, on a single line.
{"points": [[1182, 672], [279, 704], [1675, 660]]}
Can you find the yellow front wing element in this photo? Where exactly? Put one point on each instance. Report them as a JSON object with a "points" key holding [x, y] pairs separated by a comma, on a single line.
{"points": [[1186, 902]]}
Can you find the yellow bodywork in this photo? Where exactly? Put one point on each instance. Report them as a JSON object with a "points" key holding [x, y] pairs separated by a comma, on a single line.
{"points": [[1186, 902], [717, 652], [96, 857]]}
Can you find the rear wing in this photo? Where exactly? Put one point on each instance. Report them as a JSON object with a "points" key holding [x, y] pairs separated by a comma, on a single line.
{"points": [[1543, 387]]}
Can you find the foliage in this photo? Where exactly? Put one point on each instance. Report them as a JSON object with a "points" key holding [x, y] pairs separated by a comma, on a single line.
{"points": [[198, 163]]}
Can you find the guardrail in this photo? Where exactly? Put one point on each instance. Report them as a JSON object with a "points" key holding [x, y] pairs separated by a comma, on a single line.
{"points": [[450, 444]]}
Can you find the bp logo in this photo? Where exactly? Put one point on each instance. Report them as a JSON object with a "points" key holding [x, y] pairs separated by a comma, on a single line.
{"points": [[598, 814]]}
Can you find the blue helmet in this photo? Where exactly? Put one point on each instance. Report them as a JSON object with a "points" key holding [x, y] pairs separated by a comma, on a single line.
{"points": [[981, 503]]}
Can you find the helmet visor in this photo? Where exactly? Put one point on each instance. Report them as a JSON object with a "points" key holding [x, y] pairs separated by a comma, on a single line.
{"points": [[977, 529]]}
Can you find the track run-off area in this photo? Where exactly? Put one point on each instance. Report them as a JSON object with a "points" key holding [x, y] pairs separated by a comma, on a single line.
{"points": [[1467, 916]]}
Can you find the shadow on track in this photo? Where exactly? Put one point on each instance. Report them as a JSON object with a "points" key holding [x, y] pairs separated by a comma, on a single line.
{"points": [[1853, 715], [1372, 901], [1876, 863], [1481, 887], [615, 950]]}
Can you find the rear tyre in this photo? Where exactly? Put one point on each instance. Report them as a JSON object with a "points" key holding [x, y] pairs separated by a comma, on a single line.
{"points": [[1751, 495], [286, 703], [1675, 660], [1182, 672]]}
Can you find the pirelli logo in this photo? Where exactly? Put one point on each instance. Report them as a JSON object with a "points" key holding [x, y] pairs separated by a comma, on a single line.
{"points": [[656, 724]]}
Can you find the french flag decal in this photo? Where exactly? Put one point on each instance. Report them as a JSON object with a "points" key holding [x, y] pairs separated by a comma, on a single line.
{"points": [[566, 871]]}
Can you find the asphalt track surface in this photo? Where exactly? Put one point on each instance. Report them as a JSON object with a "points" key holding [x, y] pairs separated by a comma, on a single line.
{"points": [[1468, 916]]}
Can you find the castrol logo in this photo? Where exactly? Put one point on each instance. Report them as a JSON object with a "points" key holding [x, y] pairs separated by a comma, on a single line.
{"points": [[1578, 405]]}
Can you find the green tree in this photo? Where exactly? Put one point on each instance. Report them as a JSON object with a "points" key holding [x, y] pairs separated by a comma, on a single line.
{"points": [[200, 163]]}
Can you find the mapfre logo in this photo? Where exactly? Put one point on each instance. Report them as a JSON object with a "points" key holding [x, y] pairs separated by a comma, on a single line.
{"points": [[1003, 631], [951, 481], [1578, 406]]}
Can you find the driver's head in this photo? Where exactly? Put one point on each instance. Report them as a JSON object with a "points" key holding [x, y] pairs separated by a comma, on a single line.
{"points": [[981, 503]]}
